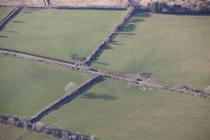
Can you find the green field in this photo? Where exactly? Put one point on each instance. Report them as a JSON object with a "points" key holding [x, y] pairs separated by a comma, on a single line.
{"points": [[59, 33], [114, 111], [4, 11], [10, 133], [27, 86], [175, 49]]}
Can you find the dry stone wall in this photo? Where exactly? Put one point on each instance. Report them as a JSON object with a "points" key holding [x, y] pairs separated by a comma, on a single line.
{"points": [[66, 99], [110, 37], [40, 127], [10, 16]]}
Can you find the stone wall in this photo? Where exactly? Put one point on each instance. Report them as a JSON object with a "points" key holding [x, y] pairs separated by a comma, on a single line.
{"points": [[66, 99], [111, 36], [10, 16], [42, 128]]}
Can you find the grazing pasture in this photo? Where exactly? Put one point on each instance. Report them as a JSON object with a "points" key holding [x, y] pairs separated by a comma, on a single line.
{"points": [[27, 87], [4, 11], [59, 33], [174, 48], [115, 111], [10, 133]]}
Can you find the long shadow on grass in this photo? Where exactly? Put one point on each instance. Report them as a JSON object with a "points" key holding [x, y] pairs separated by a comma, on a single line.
{"points": [[130, 26], [125, 30], [9, 17], [17, 21], [3, 36], [65, 100], [95, 96]]}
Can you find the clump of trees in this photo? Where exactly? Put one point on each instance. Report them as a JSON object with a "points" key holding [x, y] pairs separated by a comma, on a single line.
{"points": [[158, 7], [77, 57], [199, 6]]}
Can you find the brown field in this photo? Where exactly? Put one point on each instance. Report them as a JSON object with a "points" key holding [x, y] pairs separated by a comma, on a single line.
{"points": [[66, 2], [22, 2], [89, 2]]}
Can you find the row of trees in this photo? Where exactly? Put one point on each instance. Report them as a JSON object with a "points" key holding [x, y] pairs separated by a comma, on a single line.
{"points": [[164, 7]]}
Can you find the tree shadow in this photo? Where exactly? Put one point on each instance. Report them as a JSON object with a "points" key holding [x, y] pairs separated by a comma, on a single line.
{"points": [[67, 99], [104, 47], [3, 36], [17, 21], [11, 31], [101, 63], [27, 12], [95, 96], [131, 25]]}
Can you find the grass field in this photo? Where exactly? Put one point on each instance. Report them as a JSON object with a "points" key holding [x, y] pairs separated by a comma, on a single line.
{"points": [[10, 133], [27, 86], [114, 111], [175, 49], [59, 33], [4, 11]]}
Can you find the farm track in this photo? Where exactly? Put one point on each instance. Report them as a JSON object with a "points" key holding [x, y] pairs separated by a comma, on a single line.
{"points": [[93, 71], [66, 99]]}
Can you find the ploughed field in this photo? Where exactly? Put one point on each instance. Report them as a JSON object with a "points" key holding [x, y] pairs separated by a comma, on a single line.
{"points": [[27, 87], [10, 133], [113, 110], [175, 49], [59, 33]]}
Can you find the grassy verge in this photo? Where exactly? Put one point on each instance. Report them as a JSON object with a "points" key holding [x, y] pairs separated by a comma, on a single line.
{"points": [[26, 87], [115, 111], [175, 49], [59, 33]]}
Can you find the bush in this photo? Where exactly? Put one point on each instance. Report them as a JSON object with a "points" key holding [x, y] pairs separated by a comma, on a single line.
{"points": [[158, 6]]}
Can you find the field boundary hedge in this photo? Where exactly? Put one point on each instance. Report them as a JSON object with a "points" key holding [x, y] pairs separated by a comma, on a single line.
{"points": [[66, 99], [9, 17], [42, 128]]}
